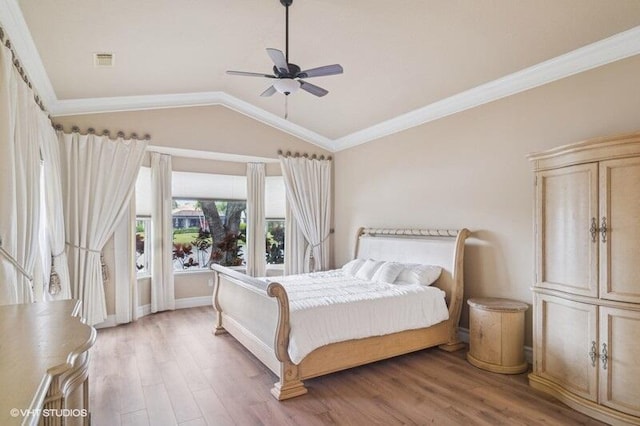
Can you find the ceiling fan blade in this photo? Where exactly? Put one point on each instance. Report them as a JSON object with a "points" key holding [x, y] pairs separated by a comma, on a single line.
{"points": [[279, 60], [270, 91], [321, 71], [313, 89], [250, 74]]}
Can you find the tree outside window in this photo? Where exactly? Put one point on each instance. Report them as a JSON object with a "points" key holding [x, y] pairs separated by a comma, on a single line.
{"points": [[208, 231], [275, 241]]}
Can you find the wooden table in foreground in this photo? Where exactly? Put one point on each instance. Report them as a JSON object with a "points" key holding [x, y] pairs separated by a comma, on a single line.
{"points": [[44, 363]]}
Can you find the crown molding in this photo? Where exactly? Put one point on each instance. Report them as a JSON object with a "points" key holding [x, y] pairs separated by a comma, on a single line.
{"points": [[16, 29], [611, 49], [605, 51]]}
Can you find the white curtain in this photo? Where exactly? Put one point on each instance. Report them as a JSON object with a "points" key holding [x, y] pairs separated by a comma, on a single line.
{"points": [[162, 286], [256, 247], [295, 245], [98, 178], [56, 267], [308, 185], [19, 183], [124, 269]]}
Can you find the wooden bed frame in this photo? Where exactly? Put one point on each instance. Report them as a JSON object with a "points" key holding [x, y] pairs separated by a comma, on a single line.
{"points": [[257, 313]]}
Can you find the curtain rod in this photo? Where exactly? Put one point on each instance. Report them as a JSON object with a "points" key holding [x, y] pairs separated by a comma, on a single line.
{"points": [[305, 155], [15, 262], [92, 131], [23, 74]]}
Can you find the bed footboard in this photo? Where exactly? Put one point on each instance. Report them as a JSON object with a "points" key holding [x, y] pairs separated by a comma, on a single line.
{"points": [[257, 315], [290, 384]]}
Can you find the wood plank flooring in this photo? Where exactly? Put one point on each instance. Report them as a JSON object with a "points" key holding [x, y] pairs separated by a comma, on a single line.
{"points": [[169, 369]]}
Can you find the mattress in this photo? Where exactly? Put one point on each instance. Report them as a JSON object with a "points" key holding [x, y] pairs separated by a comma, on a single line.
{"points": [[329, 307]]}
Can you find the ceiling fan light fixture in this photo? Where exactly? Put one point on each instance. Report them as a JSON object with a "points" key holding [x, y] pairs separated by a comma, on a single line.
{"points": [[286, 86]]}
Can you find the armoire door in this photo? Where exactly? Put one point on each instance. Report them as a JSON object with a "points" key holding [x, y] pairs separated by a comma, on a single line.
{"points": [[620, 243], [619, 366], [566, 341], [567, 229]]}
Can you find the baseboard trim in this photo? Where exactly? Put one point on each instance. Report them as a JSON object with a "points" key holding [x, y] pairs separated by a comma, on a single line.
{"points": [[144, 310], [463, 334], [193, 302]]}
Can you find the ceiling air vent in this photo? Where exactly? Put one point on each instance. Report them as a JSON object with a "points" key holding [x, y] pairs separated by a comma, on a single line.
{"points": [[103, 59]]}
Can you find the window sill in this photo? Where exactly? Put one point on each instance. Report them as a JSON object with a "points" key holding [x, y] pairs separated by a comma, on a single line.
{"points": [[143, 277], [191, 271]]}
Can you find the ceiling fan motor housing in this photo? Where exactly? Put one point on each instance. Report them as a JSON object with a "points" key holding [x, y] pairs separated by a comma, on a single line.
{"points": [[293, 71]]}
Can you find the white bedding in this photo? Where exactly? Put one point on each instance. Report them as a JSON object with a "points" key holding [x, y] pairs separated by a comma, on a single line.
{"points": [[328, 307]]}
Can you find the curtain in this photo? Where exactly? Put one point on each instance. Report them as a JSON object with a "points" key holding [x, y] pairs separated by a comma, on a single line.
{"points": [[162, 288], [98, 177], [19, 183], [256, 244], [56, 268], [124, 270], [295, 245], [308, 186]]}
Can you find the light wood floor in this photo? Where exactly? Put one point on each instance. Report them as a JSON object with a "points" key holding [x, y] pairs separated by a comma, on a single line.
{"points": [[169, 369]]}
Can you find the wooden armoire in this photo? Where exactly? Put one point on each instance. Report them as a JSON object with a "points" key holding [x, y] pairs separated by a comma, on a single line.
{"points": [[586, 294]]}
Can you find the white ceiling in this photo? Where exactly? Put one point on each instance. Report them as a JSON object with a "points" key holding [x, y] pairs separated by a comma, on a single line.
{"points": [[406, 62]]}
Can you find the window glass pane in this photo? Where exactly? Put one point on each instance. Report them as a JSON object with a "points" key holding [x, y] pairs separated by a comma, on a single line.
{"points": [[275, 241], [143, 250], [208, 231]]}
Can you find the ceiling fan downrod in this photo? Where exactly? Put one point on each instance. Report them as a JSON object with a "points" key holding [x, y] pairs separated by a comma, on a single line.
{"points": [[286, 4]]}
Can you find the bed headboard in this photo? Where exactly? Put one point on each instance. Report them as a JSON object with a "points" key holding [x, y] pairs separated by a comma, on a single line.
{"points": [[442, 247]]}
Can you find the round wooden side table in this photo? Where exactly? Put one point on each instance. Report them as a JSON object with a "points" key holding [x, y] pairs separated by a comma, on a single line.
{"points": [[496, 335]]}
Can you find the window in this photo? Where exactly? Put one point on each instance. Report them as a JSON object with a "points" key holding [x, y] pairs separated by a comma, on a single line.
{"points": [[209, 220], [208, 231], [143, 249], [275, 241], [274, 210]]}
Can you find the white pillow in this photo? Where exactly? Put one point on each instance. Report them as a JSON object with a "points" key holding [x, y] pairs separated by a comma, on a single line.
{"points": [[419, 274], [388, 272], [368, 269], [350, 268]]}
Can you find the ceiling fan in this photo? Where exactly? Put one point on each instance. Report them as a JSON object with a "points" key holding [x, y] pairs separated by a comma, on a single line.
{"points": [[288, 77]]}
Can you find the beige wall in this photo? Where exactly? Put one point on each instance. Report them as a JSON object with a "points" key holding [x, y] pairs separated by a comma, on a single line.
{"points": [[211, 128], [469, 170], [207, 128]]}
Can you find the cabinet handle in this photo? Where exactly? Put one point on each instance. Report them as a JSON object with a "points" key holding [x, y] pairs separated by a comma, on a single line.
{"points": [[603, 229], [604, 356], [594, 353], [594, 230]]}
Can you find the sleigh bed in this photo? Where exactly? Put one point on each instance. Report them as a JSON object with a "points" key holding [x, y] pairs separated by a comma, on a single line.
{"points": [[257, 312]]}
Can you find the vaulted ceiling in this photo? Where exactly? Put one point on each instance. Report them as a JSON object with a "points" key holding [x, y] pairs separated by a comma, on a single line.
{"points": [[405, 62]]}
